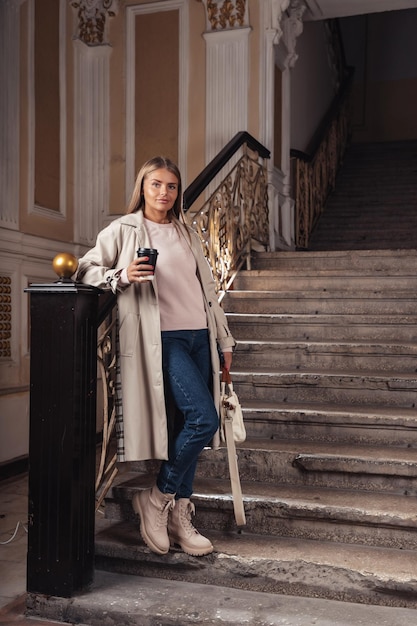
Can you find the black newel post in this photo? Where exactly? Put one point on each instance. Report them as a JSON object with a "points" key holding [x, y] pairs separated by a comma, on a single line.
{"points": [[63, 370]]}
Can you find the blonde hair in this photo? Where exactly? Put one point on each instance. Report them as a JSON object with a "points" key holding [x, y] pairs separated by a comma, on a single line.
{"points": [[137, 201]]}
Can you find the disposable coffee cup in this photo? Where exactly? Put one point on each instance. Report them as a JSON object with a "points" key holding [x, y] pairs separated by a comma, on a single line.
{"points": [[152, 255]]}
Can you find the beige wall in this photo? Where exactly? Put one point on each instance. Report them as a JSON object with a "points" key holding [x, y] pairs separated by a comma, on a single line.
{"points": [[47, 105], [197, 93], [156, 86], [40, 124]]}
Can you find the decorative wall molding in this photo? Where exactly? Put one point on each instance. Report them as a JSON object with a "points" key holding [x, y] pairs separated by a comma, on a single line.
{"points": [[227, 87], [278, 8], [58, 214], [23, 258], [228, 14], [294, 28], [9, 114], [93, 19], [19, 246], [91, 139], [131, 13], [5, 316]]}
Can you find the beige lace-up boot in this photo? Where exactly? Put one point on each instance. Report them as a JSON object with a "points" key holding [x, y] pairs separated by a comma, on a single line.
{"points": [[153, 507], [182, 532]]}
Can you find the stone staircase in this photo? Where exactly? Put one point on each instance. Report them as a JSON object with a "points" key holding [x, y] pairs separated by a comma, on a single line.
{"points": [[325, 368], [374, 204]]}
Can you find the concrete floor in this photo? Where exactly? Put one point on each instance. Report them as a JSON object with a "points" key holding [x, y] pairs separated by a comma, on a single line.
{"points": [[116, 599], [13, 538]]}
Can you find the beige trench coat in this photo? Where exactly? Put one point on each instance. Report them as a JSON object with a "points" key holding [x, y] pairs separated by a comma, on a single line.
{"points": [[140, 354]]}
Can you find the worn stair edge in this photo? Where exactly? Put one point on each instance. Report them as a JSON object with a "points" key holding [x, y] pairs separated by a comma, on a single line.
{"points": [[276, 460], [379, 519], [286, 467], [378, 295], [280, 461], [344, 387], [394, 319], [319, 304], [272, 565], [339, 327], [366, 258], [357, 245], [257, 281], [115, 599], [353, 347], [356, 464], [388, 356], [327, 424]]}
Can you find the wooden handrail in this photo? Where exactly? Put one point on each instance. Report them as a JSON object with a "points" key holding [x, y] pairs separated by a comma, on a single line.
{"points": [[198, 185]]}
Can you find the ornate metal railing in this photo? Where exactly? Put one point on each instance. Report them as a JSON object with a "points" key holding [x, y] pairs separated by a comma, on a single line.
{"points": [[106, 358], [106, 468], [314, 174], [235, 216]]}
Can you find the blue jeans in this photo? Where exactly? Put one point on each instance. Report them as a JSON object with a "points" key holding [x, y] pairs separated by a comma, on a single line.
{"points": [[187, 377]]}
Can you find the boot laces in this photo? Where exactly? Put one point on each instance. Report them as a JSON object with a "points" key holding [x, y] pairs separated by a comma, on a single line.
{"points": [[185, 513], [166, 507]]}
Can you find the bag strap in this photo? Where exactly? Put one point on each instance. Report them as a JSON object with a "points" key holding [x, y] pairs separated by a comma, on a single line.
{"points": [[232, 459], [234, 475]]}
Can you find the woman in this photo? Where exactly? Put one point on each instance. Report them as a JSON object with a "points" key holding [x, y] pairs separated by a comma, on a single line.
{"points": [[171, 328]]}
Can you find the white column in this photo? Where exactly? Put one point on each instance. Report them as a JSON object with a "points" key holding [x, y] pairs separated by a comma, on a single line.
{"points": [[9, 114], [282, 24], [91, 139], [227, 84]]}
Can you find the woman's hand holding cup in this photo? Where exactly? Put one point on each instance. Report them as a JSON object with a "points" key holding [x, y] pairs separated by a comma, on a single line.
{"points": [[143, 267]]}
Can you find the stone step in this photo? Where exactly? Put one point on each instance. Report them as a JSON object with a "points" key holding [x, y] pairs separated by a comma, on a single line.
{"points": [[378, 260], [116, 599], [337, 233], [399, 183], [300, 270], [325, 281], [342, 387], [320, 569], [363, 356], [362, 211], [331, 423], [325, 465], [307, 512], [360, 231], [275, 326], [334, 302], [390, 195], [362, 243], [353, 221], [383, 467]]}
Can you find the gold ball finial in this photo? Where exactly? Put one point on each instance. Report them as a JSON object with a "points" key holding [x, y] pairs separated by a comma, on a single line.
{"points": [[65, 265]]}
